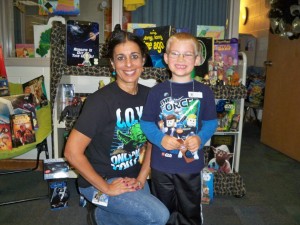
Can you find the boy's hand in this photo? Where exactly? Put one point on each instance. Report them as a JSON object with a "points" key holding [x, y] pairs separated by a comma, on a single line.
{"points": [[192, 143], [170, 143]]}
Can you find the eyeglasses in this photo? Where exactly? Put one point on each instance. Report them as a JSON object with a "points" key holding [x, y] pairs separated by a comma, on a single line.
{"points": [[186, 55]]}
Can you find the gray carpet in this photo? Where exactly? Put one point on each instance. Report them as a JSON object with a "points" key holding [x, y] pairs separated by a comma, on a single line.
{"points": [[272, 183]]}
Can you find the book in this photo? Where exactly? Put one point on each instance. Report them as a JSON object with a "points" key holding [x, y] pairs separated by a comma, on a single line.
{"points": [[5, 136], [37, 88], [156, 38], [132, 26], [82, 45], [25, 50], [16, 104], [65, 95], [225, 63], [59, 7], [22, 129], [4, 89], [207, 45], [221, 154], [225, 111], [216, 32], [55, 169], [59, 194]]}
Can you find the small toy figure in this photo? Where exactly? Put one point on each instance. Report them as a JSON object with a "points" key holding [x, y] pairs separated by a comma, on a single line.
{"points": [[220, 81], [71, 111], [235, 79], [86, 59], [206, 80]]}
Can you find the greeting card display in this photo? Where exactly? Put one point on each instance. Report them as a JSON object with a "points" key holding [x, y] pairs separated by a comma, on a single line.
{"points": [[82, 48]]}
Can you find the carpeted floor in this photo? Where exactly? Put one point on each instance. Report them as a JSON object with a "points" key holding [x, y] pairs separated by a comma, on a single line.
{"points": [[272, 183]]}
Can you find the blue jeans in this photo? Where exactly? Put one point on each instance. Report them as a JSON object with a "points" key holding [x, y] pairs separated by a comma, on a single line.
{"points": [[131, 208]]}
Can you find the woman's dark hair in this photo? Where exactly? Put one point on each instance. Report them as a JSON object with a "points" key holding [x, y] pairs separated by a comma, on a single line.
{"points": [[119, 36]]}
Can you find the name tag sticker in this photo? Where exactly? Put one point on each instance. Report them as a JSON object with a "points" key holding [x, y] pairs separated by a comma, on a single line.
{"points": [[193, 94], [100, 198]]}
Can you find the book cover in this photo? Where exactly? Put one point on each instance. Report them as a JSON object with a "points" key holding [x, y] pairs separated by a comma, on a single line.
{"points": [[216, 32], [59, 194], [207, 45], [82, 45], [25, 50], [59, 7], [132, 26], [225, 63], [55, 169], [36, 87], [225, 112], [16, 104], [5, 136], [4, 89], [221, 154], [65, 95], [156, 38], [22, 129]]}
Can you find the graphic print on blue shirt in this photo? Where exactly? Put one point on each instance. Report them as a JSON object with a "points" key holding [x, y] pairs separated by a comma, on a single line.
{"points": [[179, 118], [128, 140]]}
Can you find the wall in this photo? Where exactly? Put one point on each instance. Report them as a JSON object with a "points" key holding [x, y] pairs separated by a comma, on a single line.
{"points": [[257, 25]]}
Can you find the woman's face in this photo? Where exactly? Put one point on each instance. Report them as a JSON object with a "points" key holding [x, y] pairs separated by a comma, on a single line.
{"points": [[128, 62]]}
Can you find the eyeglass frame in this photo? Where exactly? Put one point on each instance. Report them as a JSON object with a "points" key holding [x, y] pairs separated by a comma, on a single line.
{"points": [[186, 55]]}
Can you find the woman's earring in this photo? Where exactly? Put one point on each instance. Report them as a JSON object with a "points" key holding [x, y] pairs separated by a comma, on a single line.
{"points": [[114, 73]]}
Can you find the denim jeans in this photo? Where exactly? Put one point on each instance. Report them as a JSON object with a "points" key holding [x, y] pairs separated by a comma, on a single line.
{"points": [[131, 208]]}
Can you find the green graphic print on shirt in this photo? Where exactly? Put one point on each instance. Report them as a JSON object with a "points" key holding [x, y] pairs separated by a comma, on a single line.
{"points": [[179, 118], [128, 140]]}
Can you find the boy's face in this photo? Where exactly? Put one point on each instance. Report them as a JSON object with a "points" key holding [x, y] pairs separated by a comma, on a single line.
{"points": [[181, 59]]}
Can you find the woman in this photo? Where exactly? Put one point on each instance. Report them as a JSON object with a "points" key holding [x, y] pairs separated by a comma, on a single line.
{"points": [[106, 142]]}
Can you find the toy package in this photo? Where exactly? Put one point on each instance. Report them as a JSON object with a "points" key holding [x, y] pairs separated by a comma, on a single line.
{"points": [[59, 194], [225, 111], [223, 68], [207, 186]]}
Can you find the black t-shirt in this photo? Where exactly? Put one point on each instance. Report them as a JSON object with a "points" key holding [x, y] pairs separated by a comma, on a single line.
{"points": [[110, 117]]}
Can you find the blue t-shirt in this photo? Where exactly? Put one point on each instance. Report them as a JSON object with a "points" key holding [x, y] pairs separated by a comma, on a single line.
{"points": [[179, 110]]}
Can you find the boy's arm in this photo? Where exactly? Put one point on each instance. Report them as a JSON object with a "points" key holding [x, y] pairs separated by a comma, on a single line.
{"points": [[208, 129], [152, 132]]}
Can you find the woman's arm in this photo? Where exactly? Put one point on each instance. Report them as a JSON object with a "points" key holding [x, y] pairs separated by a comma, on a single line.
{"points": [[145, 170]]}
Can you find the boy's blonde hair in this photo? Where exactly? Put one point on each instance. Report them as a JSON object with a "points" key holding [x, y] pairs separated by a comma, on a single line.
{"points": [[185, 37]]}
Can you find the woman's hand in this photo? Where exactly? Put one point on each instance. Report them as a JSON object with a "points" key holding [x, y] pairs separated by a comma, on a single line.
{"points": [[123, 185]]}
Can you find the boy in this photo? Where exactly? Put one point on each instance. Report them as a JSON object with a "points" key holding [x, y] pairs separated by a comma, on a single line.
{"points": [[177, 158]]}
